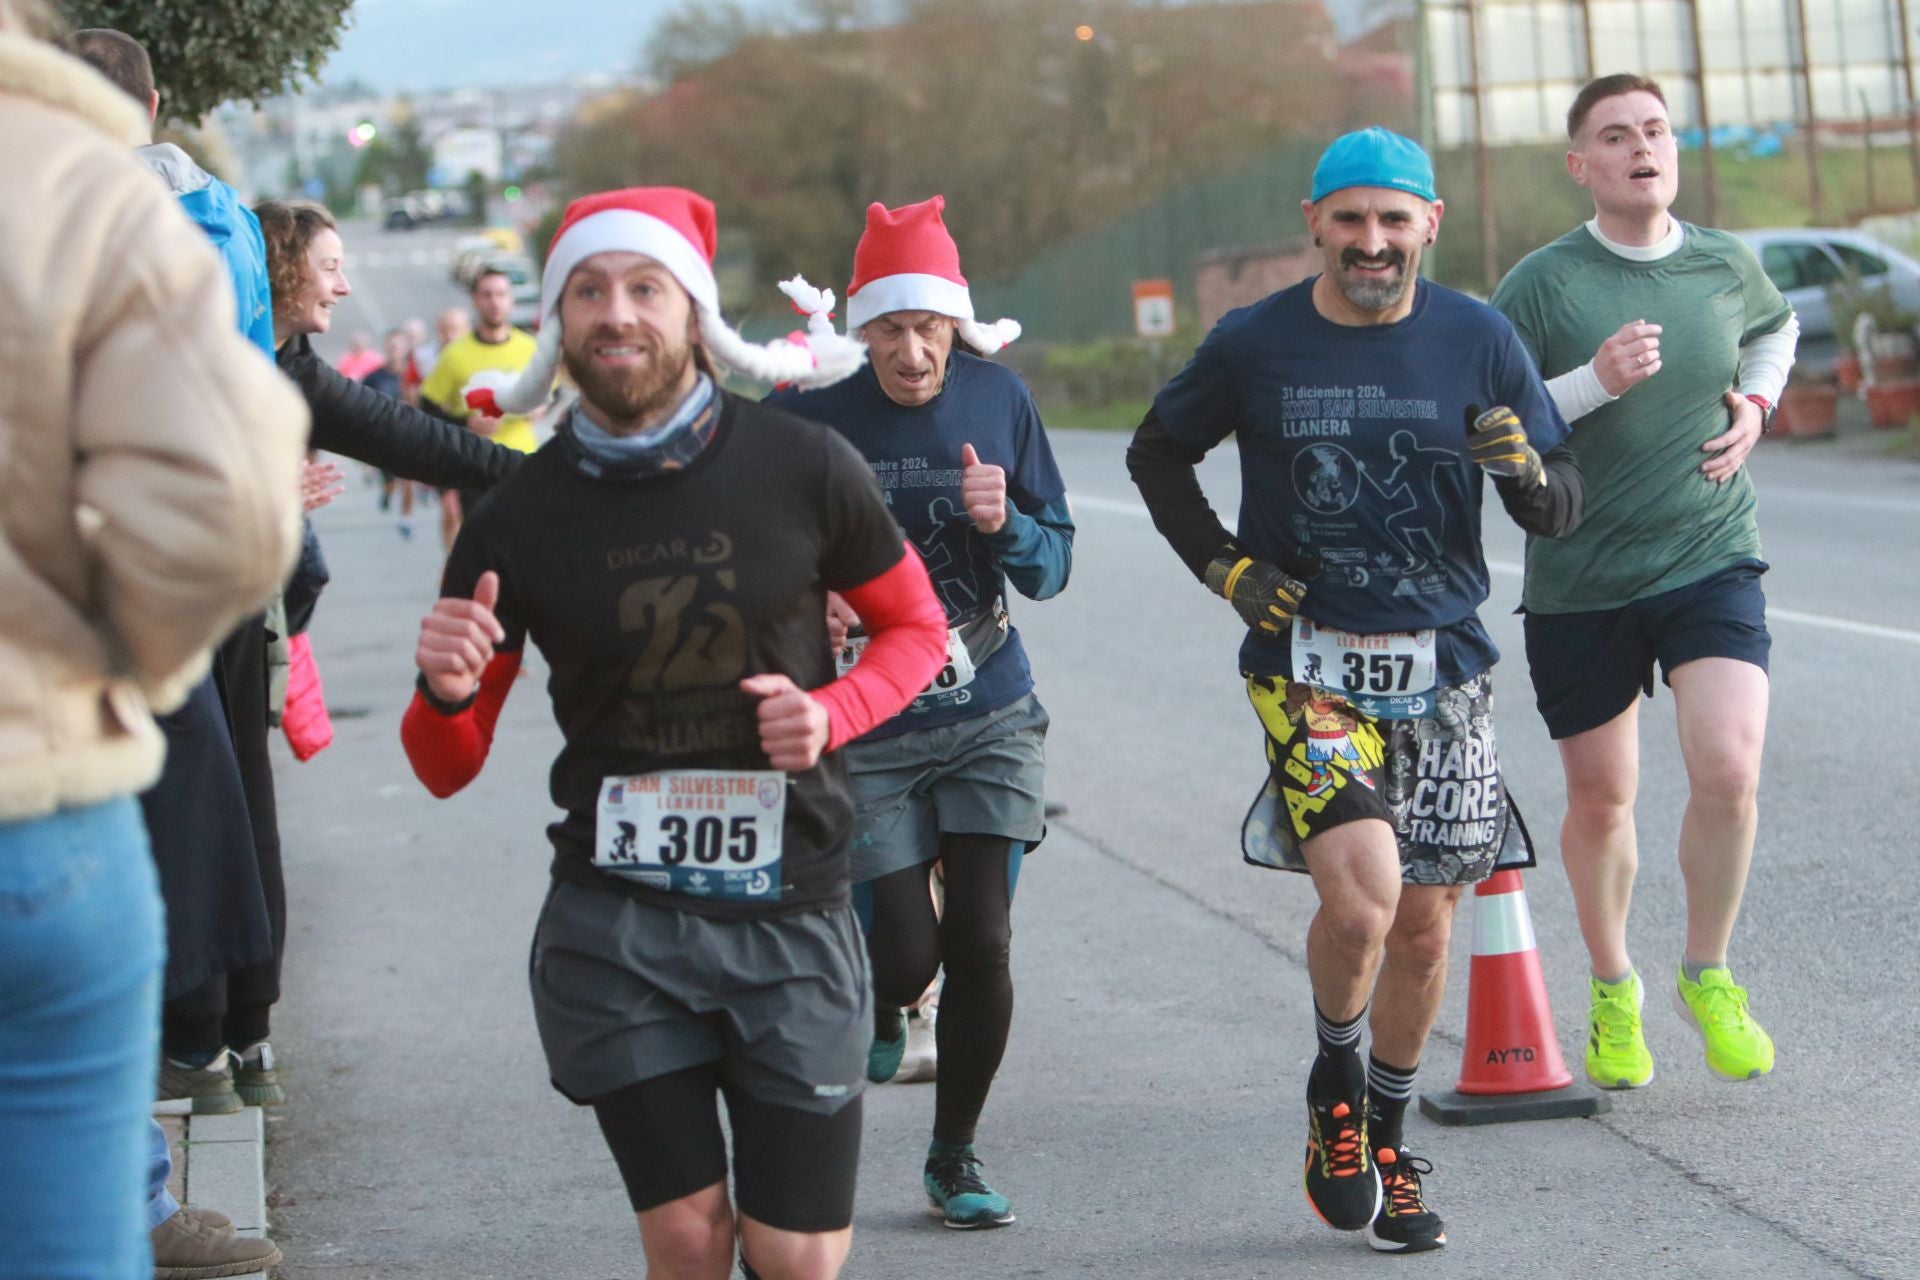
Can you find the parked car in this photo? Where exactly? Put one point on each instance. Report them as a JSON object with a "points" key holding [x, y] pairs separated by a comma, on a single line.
{"points": [[1804, 262]]}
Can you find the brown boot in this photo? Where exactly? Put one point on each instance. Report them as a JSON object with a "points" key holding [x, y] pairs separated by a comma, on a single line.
{"points": [[188, 1246]]}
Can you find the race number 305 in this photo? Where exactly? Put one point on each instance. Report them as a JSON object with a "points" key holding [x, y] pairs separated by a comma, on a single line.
{"points": [[714, 818]]}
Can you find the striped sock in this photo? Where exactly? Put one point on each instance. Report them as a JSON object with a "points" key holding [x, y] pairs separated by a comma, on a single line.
{"points": [[1337, 1037], [1389, 1089]]}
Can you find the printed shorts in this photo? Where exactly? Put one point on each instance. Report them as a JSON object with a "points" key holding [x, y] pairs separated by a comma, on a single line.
{"points": [[1436, 781]]}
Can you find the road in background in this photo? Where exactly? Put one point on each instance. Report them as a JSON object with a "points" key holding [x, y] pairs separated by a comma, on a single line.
{"points": [[1148, 1121]]}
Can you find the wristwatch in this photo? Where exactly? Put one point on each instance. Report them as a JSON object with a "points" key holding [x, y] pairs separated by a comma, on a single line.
{"points": [[1766, 411]]}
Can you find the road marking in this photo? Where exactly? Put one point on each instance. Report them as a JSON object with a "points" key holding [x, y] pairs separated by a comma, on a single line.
{"points": [[1838, 501], [1512, 567]]}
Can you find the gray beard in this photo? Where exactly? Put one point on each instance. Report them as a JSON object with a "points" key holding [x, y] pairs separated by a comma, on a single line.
{"points": [[1373, 295]]}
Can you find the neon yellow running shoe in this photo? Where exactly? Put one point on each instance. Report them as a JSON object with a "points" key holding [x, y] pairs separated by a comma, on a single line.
{"points": [[1737, 1047], [1617, 1056]]}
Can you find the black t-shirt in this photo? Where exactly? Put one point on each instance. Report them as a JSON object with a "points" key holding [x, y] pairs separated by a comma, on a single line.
{"points": [[652, 598]]}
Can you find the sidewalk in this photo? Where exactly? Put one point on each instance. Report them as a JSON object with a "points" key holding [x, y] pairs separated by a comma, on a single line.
{"points": [[219, 1162]]}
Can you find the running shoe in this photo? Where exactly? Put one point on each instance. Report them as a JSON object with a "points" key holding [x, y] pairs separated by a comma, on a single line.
{"points": [[1737, 1047], [1404, 1223], [254, 1077], [1343, 1183], [957, 1193], [883, 1056], [201, 1091], [921, 1060], [1617, 1056]]}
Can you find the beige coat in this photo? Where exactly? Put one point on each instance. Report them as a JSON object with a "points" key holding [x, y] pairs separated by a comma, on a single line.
{"points": [[149, 456]]}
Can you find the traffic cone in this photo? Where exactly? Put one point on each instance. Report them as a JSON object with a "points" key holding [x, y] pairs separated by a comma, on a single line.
{"points": [[1512, 1068]]}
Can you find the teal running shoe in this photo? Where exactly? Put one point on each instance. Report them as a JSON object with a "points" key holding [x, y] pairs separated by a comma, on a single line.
{"points": [[957, 1193]]}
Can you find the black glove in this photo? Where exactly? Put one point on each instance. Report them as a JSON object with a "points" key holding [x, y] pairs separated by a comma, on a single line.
{"points": [[1499, 445], [1259, 590]]}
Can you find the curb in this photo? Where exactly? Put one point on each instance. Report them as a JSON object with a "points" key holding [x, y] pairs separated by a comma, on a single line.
{"points": [[219, 1162]]}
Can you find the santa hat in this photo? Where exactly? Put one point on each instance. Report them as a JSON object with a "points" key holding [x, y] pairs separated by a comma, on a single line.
{"points": [[907, 261], [675, 227]]}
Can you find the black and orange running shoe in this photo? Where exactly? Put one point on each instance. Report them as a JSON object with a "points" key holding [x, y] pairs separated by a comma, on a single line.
{"points": [[1404, 1223], [1343, 1184]]}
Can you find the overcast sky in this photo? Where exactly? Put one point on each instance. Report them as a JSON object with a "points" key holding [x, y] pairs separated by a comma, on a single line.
{"points": [[429, 44], [436, 44]]}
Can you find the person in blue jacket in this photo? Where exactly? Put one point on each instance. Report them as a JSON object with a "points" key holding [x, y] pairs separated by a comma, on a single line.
{"points": [[955, 780]]}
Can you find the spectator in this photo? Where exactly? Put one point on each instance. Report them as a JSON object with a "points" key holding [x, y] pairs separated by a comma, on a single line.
{"points": [[149, 503]]}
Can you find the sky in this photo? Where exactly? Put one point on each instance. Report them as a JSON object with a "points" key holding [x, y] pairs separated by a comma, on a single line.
{"points": [[415, 45]]}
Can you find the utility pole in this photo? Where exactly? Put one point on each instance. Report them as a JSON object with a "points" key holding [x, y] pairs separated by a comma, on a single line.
{"points": [[1814, 191], [1706, 116], [1482, 162], [1913, 108]]}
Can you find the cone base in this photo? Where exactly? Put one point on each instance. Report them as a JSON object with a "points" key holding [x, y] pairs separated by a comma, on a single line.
{"points": [[1572, 1102]]}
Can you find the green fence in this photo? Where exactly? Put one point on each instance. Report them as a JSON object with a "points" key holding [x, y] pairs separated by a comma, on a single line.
{"points": [[1083, 289]]}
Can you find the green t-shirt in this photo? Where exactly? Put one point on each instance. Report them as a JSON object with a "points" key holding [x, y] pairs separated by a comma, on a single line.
{"points": [[1653, 522]]}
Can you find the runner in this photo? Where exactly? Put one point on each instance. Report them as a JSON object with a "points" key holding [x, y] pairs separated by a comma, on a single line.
{"points": [[670, 551], [1371, 677], [494, 344], [1666, 342], [955, 779]]}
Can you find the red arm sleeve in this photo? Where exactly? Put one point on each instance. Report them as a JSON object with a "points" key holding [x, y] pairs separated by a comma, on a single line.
{"points": [[447, 749], [909, 630]]}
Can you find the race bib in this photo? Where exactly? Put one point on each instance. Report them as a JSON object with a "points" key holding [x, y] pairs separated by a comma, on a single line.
{"points": [[708, 833], [958, 672], [1390, 675]]}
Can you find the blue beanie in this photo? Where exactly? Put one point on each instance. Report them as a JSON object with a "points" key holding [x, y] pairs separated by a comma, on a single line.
{"points": [[1374, 157]]}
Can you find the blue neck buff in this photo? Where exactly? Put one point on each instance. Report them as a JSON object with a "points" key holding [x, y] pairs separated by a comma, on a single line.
{"points": [[670, 446]]}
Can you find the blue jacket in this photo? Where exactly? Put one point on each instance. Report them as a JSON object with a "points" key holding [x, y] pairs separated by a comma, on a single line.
{"points": [[235, 232]]}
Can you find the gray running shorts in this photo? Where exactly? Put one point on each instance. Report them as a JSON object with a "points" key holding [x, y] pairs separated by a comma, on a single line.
{"points": [[624, 991], [981, 777]]}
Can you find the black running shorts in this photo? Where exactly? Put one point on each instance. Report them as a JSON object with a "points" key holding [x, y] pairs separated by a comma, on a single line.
{"points": [[1589, 667]]}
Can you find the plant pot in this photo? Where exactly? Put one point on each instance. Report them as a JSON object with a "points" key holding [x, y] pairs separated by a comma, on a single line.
{"points": [[1806, 410], [1846, 370], [1893, 403], [1895, 368]]}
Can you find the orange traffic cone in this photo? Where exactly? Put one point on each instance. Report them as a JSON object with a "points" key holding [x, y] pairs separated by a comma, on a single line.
{"points": [[1512, 1068]]}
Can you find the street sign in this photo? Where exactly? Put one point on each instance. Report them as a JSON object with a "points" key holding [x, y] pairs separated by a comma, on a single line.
{"points": [[1153, 308]]}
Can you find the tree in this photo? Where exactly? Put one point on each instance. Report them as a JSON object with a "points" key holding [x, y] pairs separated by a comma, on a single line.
{"points": [[206, 52]]}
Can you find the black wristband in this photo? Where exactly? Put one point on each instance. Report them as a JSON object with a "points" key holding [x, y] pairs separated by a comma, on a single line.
{"points": [[439, 703]]}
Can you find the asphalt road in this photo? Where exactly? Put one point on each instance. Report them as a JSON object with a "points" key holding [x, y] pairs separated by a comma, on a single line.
{"points": [[1148, 1119]]}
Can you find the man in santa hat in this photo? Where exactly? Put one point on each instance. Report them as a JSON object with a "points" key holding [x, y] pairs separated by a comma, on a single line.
{"points": [[670, 550], [955, 780]]}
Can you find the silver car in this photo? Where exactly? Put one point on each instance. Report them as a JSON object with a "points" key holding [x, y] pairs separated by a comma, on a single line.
{"points": [[1804, 262]]}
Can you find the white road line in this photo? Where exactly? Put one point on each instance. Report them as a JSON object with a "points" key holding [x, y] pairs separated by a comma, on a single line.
{"points": [[1820, 620], [420, 258], [1837, 501]]}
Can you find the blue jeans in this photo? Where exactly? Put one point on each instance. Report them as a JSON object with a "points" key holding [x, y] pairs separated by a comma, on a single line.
{"points": [[80, 953]]}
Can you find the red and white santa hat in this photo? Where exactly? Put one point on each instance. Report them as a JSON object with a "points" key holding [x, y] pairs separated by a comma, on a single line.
{"points": [[676, 228], [907, 261]]}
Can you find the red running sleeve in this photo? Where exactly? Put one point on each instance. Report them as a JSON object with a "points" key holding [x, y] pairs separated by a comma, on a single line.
{"points": [[909, 630], [447, 749]]}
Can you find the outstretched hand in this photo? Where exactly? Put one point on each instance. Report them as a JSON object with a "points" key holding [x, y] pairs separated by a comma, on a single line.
{"points": [[457, 638]]}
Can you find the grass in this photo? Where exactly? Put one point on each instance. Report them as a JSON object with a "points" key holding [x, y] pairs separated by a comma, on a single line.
{"points": [[1122, 415]]}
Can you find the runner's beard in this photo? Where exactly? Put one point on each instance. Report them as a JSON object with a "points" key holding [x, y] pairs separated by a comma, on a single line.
{"points": [[1373, 295], [628, 397]]}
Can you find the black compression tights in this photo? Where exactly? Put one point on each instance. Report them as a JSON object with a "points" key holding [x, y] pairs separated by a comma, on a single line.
{"points": [[973, 938]]}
